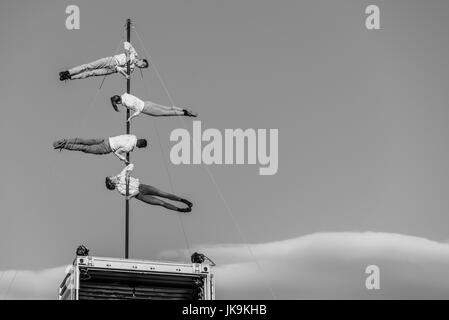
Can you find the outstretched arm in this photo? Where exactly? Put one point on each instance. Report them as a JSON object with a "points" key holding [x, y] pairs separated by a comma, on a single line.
{"points": [[127, 169], [121, 155], [130, 49], [158, 110], [122, 71], [135, 114], [131, 196]]}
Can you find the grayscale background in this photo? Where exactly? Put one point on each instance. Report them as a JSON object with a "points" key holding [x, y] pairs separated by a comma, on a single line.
{"points": [[363, 143]]}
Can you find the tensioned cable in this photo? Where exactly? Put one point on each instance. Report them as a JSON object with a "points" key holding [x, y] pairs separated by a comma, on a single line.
{"points": [[155, 126], [101, 84], [10, 283], [102, 81], [234, 220], [227, 207], [155, 68], [164, 160], [4, 272], [1, 277]]}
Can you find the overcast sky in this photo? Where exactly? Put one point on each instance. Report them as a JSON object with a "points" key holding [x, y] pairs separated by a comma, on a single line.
{"points": [[362, 118]]}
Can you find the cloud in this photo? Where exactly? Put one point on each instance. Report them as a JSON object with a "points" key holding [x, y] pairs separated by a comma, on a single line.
{"points": [[31, 285], [332, 266], [316, 266]]}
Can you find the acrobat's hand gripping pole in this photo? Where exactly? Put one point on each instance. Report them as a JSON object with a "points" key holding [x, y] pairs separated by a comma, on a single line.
{"points": [[128, 90]]}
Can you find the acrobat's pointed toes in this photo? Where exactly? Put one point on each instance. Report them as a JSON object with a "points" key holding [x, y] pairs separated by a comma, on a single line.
{"points": [[187, 202], [190, 113], [185, 210]]}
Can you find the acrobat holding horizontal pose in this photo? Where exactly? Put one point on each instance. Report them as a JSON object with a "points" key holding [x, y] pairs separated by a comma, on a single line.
{"points": [[105, 66], [119, 145], [144, 192], [147, 107]]}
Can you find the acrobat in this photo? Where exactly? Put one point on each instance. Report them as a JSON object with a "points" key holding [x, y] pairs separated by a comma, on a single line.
{"points": [[119, 145], [105, 66], [144, 192], [147, 107]]}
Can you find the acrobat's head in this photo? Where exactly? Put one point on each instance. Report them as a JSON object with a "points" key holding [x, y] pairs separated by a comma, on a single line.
{"points": [[110, 183], [115, 100], [141, 143], [142, 63]]}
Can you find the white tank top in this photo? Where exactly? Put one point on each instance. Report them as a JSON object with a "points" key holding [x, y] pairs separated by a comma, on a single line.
{"points": [[132, 102], [125, 142]]}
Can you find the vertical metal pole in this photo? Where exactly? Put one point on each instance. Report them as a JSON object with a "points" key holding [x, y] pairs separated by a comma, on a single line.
{"points": [[128, 90]]}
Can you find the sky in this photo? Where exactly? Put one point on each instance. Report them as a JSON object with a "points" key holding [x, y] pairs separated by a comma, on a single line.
{"points": [[362, 118]]}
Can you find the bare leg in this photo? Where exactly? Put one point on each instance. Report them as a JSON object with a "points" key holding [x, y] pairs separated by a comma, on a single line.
{"points": [[156, 202], [158, 110], [152, 191], [149, 190]]}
